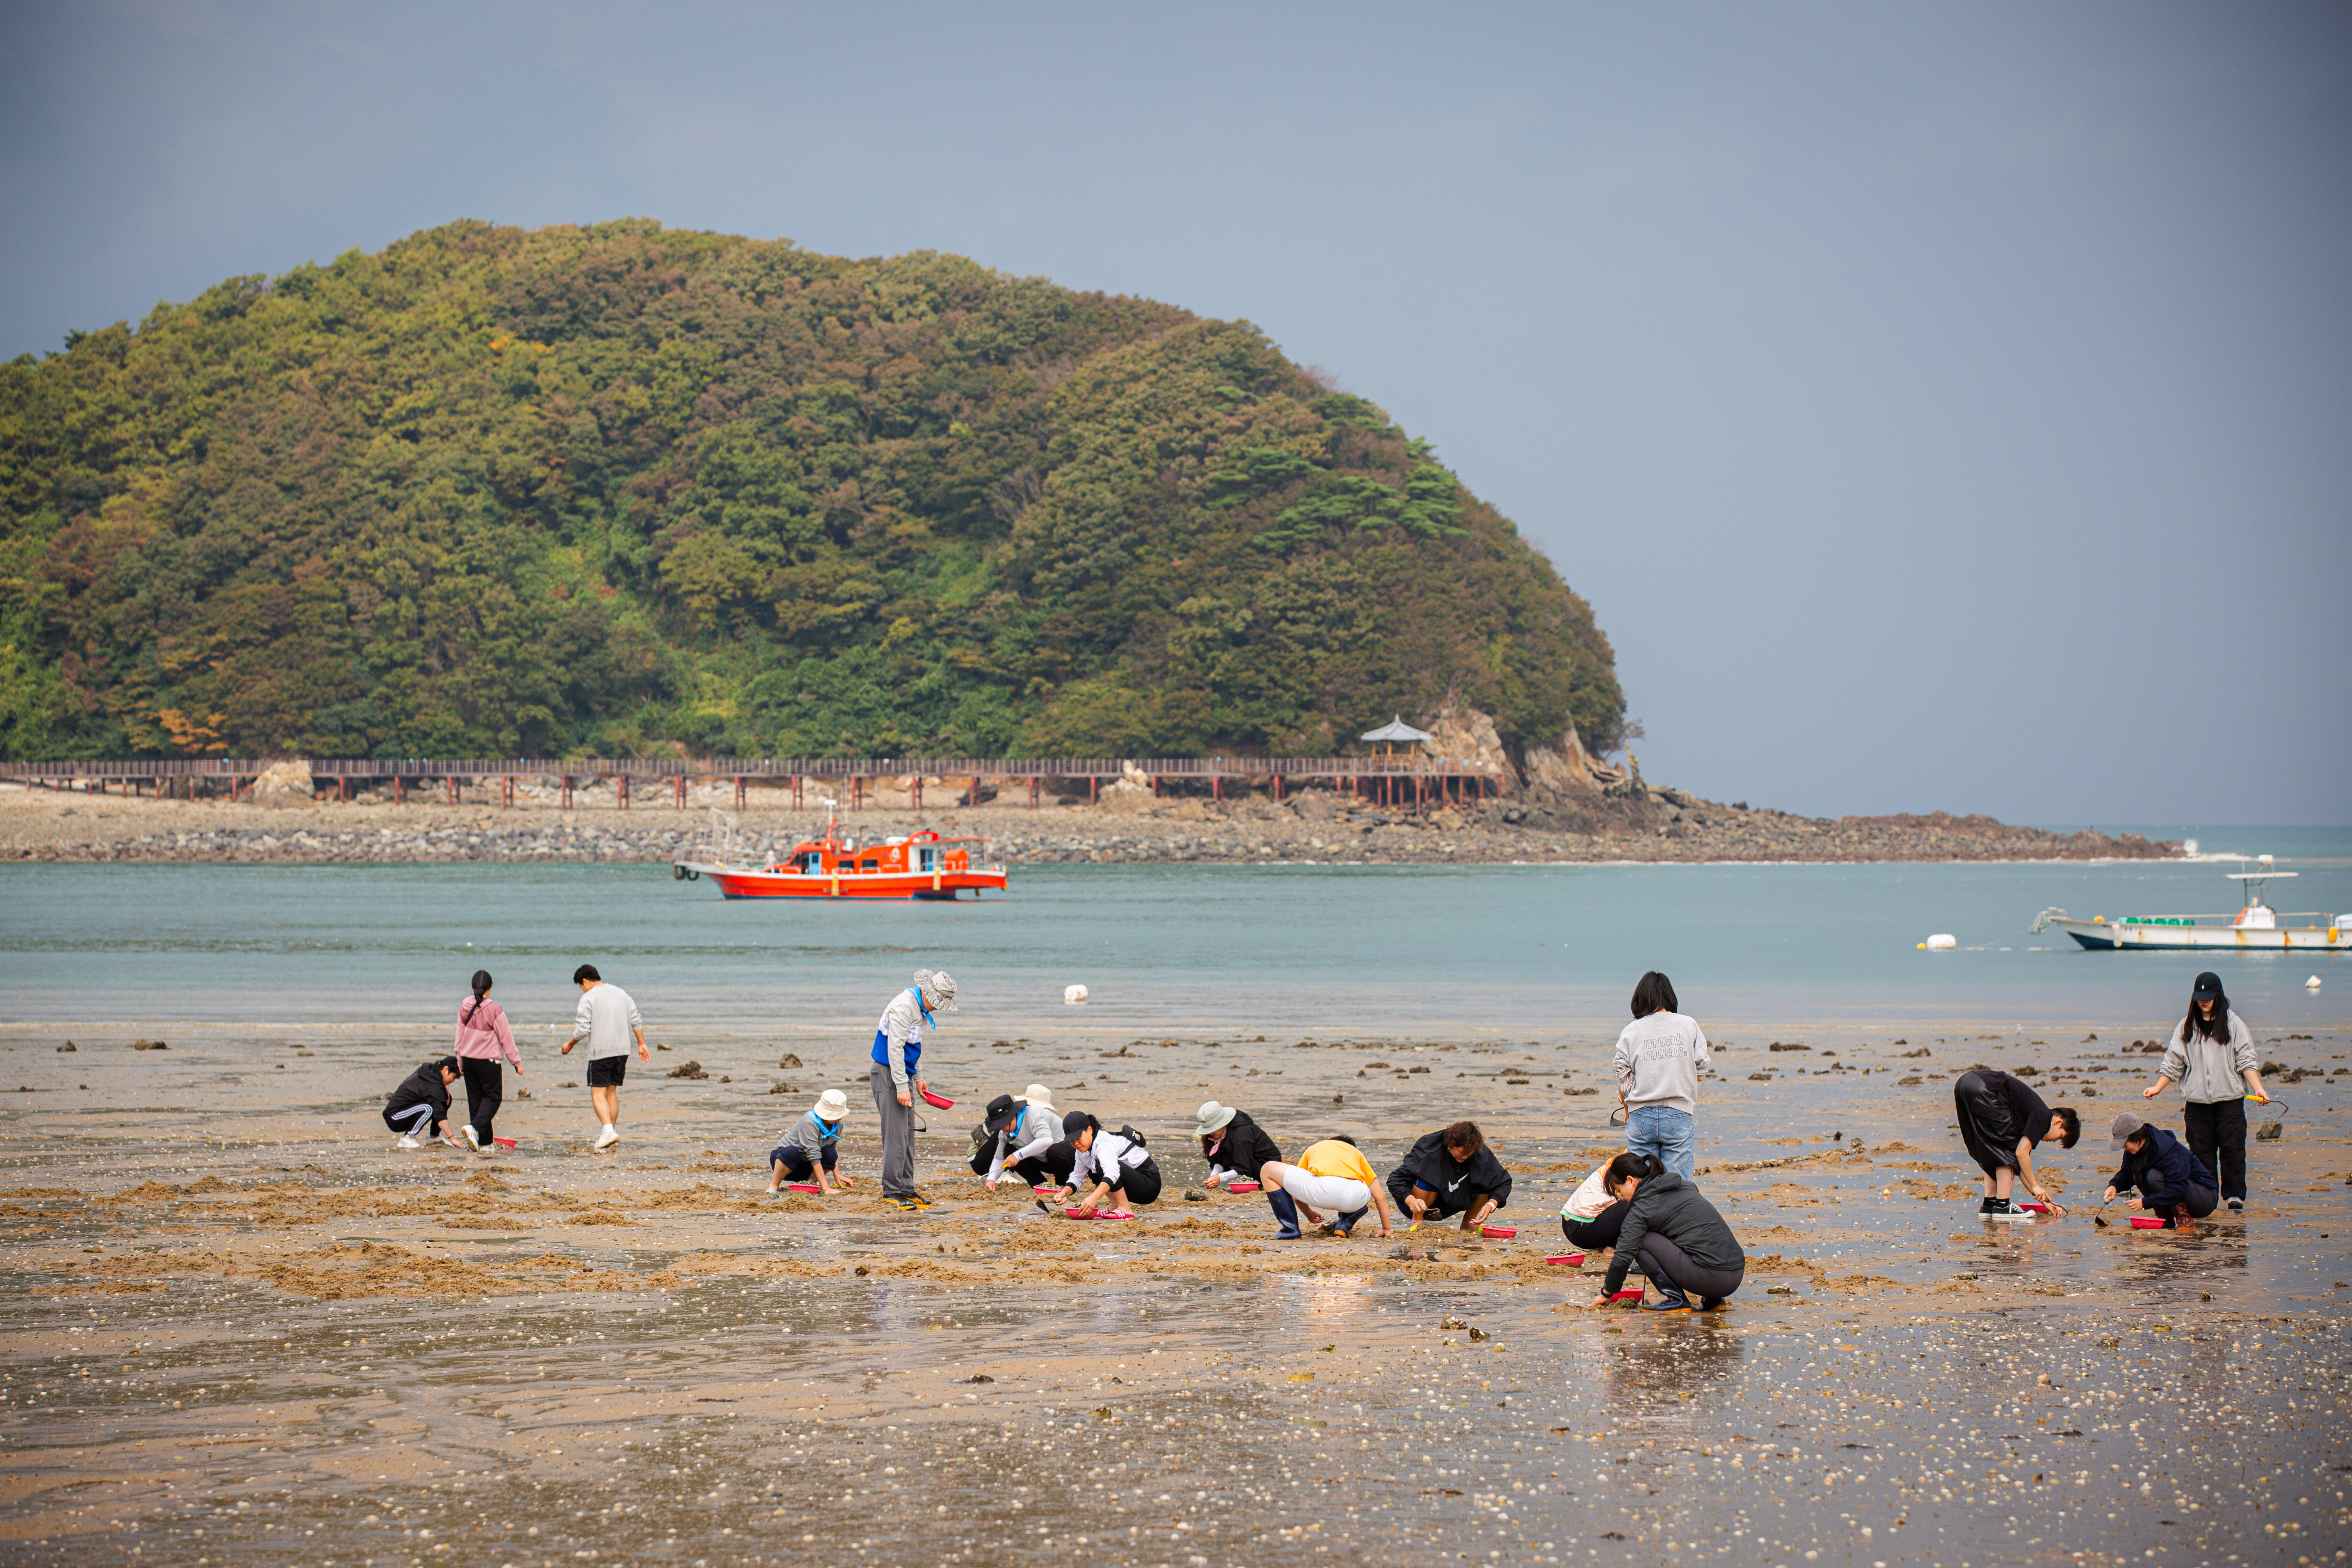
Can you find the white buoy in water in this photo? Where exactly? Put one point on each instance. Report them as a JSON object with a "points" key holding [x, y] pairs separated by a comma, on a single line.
{"points": [[2312, 984], [1073, 994], [1942, 941]]}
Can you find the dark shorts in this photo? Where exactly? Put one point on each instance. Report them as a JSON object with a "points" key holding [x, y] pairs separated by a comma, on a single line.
{"points": [[796, 1160], [606, 1072]]}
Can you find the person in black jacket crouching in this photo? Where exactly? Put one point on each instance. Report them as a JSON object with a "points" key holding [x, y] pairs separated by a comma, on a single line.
{"points": [[1450, 1172], [421, 1105], [2171, 1182], [1237, 1149], [1683, 1243]]}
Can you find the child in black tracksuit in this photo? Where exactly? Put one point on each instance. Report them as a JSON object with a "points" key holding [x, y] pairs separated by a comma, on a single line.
{"points": [[421, 1104]]}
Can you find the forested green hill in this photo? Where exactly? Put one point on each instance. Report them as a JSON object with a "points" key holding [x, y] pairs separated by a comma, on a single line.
{"points": [[627, 490]]}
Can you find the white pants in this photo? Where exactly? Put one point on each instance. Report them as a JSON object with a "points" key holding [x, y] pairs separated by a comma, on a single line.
{"points": [[1332, 1195]]}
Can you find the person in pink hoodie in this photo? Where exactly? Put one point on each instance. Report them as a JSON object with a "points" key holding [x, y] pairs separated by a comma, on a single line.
{"points": [[483, 1040]]}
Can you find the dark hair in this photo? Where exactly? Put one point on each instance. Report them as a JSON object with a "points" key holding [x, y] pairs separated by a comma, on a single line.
{"points": [[1343, 1138], [2216, 1028], [2072, 1120], [1653, 992], [481, 989], [448, 1064], [585, 971], [1464, 1136], [1631, 1165]]}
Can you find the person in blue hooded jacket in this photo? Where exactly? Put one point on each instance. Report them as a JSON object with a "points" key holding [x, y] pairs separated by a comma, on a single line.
{"points": [[2168, 1178]]}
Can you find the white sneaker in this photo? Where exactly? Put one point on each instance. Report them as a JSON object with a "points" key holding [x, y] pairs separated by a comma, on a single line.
{"points": [[408, 1143], [473, 1141], [607, 1138]]}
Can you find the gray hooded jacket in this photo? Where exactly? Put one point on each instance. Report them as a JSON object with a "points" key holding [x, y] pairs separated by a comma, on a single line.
{"points": [[2208, 1070]]}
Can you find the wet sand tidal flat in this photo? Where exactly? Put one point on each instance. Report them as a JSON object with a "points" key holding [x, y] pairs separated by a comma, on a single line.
{"points": [[242, 1328]]}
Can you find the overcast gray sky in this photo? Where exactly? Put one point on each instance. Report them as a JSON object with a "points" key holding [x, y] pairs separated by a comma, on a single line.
{"points": [[1940, 406]]}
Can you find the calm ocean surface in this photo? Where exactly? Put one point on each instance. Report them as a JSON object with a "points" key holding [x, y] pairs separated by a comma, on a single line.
{"points": [[1544, 952]]}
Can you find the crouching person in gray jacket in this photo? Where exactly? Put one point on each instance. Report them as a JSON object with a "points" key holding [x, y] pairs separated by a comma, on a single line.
{"points": [[1682, 1242]]}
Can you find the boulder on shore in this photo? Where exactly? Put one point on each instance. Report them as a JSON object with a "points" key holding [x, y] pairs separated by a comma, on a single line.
{"points": [[285, 783]]}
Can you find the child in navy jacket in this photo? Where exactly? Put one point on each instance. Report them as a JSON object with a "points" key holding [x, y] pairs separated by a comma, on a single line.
{"points": [[2170, 1182]]}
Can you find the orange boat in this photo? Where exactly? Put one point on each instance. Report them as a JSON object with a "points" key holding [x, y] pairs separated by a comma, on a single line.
{"points": [[918, 865]]}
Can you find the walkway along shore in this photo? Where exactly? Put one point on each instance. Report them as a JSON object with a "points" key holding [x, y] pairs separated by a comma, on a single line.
{"points": [[1310, 826]]}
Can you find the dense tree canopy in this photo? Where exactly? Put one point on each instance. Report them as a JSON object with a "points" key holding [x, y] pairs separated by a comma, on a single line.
{"points": [[622, 489]]}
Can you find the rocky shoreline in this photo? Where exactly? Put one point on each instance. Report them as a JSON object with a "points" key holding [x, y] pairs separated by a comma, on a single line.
{"points": [[1311, 826]]}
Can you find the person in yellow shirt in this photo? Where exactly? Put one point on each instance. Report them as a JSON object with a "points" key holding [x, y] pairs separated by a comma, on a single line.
{"points": [[1334, 1178]]}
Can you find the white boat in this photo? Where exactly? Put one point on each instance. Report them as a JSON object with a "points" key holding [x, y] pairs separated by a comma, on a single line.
{"points": [[2255, 928]]}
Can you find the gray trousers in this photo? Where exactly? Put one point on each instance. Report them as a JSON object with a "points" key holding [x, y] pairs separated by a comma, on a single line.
{"points": [[898, 1123]]}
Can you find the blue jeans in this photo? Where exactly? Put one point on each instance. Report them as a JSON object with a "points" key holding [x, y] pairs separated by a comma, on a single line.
{"points": [[1664, 1133]]}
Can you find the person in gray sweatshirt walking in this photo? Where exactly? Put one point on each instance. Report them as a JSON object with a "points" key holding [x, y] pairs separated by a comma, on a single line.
{"points": [[897, 1076], [1659, 1058], [2212, 1055], [605, 1018]]}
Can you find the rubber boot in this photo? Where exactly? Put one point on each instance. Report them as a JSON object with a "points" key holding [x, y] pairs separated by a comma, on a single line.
{"points": [[1286, 1212], [1670, 1297]]}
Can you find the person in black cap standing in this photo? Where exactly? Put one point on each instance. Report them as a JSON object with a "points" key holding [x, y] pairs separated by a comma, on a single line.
{"points": [[2212, 1056]]}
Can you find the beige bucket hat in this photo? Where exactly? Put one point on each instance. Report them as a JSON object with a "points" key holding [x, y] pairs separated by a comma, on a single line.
{"points": [[1038, 1095], [1213, 1116], [832, 1105]]}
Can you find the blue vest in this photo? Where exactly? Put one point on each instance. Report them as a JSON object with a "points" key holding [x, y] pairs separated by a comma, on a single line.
{"points": [[914, 1049]]}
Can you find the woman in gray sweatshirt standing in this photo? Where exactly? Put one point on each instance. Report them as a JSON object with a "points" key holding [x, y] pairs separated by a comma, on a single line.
{"points": [[1658, 1059], [2212, 1055]]}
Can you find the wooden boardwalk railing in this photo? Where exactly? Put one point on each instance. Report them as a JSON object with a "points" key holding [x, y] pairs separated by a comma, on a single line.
{"points": [[1387, 778]]}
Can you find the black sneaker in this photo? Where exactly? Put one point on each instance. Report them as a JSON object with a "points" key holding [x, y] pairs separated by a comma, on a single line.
{"points": [[1712, 1303], [2237, 1205], [1993, 1207]]}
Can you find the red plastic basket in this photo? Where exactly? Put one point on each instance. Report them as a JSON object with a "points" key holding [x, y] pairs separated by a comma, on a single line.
{"points": [[1566, 1260], [2146, 1222], [803, 1187], [938, 1101], [1241, 1186], [1624, 1296], [1498, 1232]]}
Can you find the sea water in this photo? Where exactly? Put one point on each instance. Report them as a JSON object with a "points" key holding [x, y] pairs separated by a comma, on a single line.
{"points": [[1544, 952]]}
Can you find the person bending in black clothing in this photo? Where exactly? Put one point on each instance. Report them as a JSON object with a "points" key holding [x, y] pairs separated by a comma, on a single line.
{"points": [[1450, 1172], [2001, 1121], [421, 1104]]}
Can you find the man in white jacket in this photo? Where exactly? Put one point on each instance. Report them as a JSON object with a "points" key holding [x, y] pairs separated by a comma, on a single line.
{"points": [[897, 1076]]}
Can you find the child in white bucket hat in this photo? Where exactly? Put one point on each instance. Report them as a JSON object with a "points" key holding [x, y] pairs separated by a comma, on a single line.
{"points": [[811, 1147]]}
